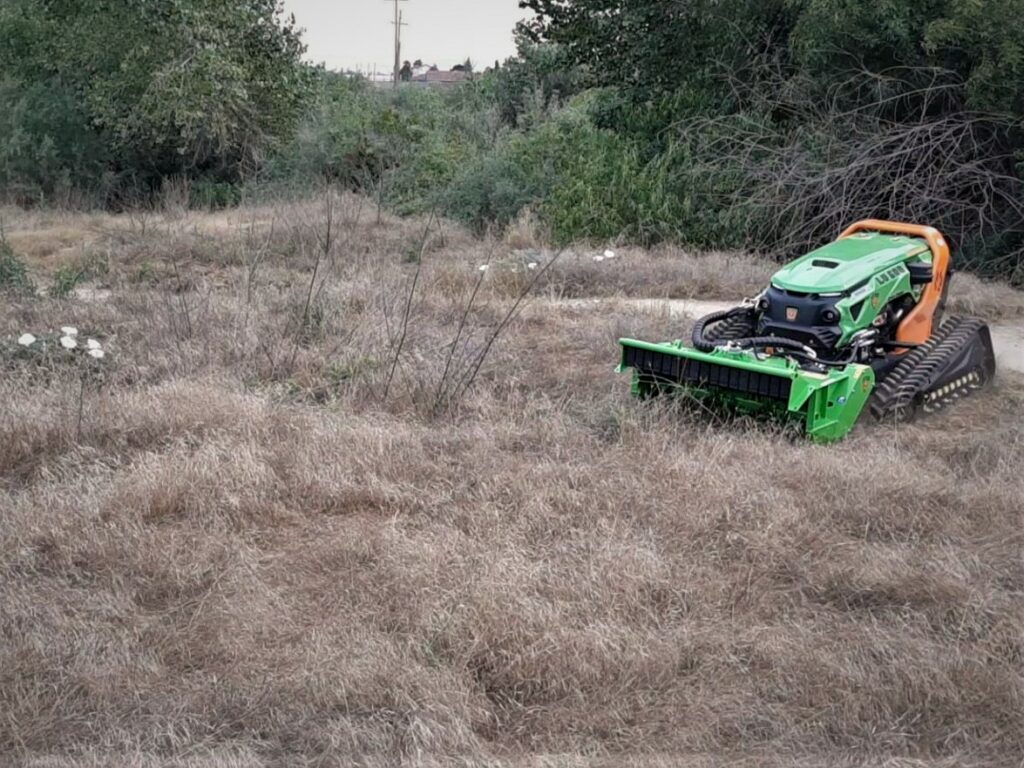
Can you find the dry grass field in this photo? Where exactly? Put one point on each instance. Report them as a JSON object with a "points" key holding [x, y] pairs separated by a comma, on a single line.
{"points": [[294, 518]]}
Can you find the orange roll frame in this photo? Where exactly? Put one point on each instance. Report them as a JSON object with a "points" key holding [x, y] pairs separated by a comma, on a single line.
{"points": [[916, 327]]}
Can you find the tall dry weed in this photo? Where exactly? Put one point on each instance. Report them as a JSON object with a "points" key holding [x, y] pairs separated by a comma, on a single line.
{"points": [[248, 557]]}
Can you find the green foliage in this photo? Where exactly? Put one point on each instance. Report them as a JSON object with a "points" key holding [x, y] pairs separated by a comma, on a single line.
{"points": [[69, 276], [46, 147], [497, 185], [720, 123], [420, 148], [141, 91], [65, 279], [14, 277], [701, 48], [986, 42], [404, 147], [350, 136], [146, 274], [654, 47], [529, 86], [780, 118], [977, 47], [214, 195]]}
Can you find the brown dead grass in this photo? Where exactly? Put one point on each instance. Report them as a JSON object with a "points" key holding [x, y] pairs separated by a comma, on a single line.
{"points": [[247, 559]]}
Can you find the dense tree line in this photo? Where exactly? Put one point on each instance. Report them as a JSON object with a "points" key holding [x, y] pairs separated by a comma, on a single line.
{"points": [[717, 123], [792, 116], [112, 96], [655, 47]]}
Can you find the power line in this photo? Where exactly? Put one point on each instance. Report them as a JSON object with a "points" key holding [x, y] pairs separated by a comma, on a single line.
{"points": [[398, 40]]}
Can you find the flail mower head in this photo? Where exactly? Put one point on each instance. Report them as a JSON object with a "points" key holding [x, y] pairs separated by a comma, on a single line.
{"points": [[850, 325]]}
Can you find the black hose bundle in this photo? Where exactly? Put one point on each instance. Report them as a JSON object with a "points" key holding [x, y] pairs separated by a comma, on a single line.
{"points": [[699, 341], [757, 342], [792, 347], [703, 344]]}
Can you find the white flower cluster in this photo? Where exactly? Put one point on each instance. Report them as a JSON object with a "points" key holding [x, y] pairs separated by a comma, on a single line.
{"points": [[486, 267], [515, 265], [69, 340]]}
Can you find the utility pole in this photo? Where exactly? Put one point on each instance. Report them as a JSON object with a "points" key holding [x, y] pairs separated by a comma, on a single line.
{"points": [[398, 40]]}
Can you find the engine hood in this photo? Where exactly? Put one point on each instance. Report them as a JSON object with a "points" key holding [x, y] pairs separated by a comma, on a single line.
{"points": [[846, 264]]}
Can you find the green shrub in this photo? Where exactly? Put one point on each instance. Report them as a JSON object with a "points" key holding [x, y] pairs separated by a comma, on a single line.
{"points": [[47, 148], [214, 195], [109, 97], [530, 87], [585, 182], [65, 279], [404, 146], [14, 277], [69, 276], [497, 185]]}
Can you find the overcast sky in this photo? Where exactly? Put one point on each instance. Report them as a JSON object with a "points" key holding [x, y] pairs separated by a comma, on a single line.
{"points": [[358, 33]]}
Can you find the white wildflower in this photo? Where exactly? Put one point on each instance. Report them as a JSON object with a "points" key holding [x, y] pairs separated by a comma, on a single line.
{"points": [[67, 342], [93, 344], [484, 267], [27, 340], [69, 330], [532, 265], [599, 258], [609, 254], [97, 353]]}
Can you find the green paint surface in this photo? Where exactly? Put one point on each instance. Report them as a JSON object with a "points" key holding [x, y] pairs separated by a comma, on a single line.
{"points": [[828, 404], [845, 264]]}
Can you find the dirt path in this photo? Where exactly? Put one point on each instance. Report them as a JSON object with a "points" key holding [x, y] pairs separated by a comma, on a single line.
{"points": [[1008, 339], [1009, 343]]}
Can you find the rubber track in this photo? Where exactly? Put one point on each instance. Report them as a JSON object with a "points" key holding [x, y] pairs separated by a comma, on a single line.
{"points": [[898, 394], [736, 327]]}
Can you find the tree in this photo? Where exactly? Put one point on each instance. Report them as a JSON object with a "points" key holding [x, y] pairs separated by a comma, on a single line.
{"points": [[880, 103], [701, 48], [169, 86], [653, 47], [540, 73]]}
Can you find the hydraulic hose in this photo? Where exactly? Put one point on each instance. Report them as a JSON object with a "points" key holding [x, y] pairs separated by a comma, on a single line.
{"points": [[792, 347], [756, 342], [702, 344]]}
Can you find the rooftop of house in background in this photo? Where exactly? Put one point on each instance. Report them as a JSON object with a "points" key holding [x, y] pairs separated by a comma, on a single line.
{"points": [[437, 77]]}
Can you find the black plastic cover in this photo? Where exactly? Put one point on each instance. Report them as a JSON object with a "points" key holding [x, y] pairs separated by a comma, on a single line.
{"points": [[683, 370]]}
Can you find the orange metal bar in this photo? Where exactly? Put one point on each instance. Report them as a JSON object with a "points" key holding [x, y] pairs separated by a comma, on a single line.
{"points": [[916, 327]]}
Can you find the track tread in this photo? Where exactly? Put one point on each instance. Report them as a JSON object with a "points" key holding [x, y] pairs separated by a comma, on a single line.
{"points": [[898, 396], [739, 326]]}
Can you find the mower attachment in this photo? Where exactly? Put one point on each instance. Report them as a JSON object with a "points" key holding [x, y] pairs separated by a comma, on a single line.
{"points": [[745, 381]]}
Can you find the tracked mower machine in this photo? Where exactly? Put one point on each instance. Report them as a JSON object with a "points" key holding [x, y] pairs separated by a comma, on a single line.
{"points": [[856, 324]]}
